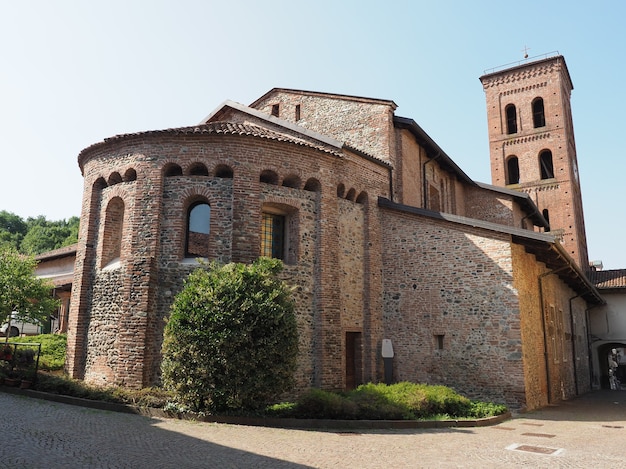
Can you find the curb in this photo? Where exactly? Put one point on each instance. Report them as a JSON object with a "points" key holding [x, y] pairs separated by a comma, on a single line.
{"points": [[260, 421]]}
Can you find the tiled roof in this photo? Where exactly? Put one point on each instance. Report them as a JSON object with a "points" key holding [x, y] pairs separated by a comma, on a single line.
{"points": [[606, 279], [231, 128], [61, 252]]}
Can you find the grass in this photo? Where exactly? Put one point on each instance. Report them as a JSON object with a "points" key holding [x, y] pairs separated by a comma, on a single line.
{"points": [[400, 401]]}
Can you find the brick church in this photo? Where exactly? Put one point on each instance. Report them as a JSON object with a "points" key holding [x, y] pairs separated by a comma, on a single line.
{"points": [[480, 287]]}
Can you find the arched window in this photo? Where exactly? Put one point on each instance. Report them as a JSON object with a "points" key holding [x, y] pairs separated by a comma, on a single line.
{"points": [[269, 177], [223, 171], [545, 162], [198, 228], [539, 117], [113, 231], [172, 169], [198, 169], [512, 170], [511, 119]]}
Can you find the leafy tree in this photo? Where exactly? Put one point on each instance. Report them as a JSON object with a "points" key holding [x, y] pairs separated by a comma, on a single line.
{"points": [[231, 341], [21, 291], [44, 235], [12, 229]]}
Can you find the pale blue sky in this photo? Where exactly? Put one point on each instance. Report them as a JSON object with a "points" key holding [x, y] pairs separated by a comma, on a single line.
{"points": [[75, 72]]}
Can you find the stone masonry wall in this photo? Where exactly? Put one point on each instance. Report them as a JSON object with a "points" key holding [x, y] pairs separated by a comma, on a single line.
{"points": [[152, 265], [450, 307]]}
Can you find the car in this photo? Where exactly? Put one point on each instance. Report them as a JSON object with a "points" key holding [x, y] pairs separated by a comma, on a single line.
{"points": [[19, 327]]}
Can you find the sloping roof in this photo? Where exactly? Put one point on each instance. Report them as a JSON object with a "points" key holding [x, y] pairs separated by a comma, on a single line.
{"points": [[544, 246], [345, 97], [292, 128], [218, 128], [608, 279], [432, 149], [66, 251], [524, 200]]}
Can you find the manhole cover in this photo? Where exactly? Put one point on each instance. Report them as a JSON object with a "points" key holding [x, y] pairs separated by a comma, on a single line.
{"points": [[535, 449], [542, 435]]}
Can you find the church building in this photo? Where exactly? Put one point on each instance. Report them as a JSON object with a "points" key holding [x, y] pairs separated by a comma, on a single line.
{"points": [[480, 287]]}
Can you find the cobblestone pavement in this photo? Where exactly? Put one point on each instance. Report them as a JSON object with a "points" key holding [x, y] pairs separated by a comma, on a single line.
{"points": [[586, 432]]}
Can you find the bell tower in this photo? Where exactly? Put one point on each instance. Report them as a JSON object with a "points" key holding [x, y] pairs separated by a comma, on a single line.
{"points": [[532, 147]]}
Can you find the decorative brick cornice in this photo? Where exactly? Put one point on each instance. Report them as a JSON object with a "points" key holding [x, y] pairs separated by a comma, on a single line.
{"points": [[524, 88], [530, 72], [530, 138]]}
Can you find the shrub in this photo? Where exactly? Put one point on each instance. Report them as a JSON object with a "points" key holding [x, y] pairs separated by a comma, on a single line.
{"points": [[400, 401], [231, 340], [53, 349], [316, 404]]}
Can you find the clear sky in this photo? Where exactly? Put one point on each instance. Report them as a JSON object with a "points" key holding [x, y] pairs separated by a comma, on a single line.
{"points": [[75, 72]]}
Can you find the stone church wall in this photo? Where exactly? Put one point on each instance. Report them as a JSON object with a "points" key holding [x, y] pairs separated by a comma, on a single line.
{"points": [[450, 308]]}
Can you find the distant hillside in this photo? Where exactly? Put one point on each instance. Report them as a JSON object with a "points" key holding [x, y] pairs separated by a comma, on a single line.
{"points": [[36, 235]]}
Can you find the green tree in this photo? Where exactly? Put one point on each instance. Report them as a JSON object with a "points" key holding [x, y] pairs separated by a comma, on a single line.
{"points": [[21, 291], [12, 230], [231, 341], [44, 235]]}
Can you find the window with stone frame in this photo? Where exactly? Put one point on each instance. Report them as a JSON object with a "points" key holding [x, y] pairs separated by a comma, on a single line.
{"points": [[198, 230], [273, 235], [279, 232]]}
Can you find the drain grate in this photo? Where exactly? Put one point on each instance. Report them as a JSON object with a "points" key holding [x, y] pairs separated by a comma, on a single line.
{"points": [[612, 426], [503, 428], [536, 449], [542, 435], [530, 424], [348, 433]]}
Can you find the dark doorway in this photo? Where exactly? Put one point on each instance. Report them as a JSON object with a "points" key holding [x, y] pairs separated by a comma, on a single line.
{"points": [[353, 360]]}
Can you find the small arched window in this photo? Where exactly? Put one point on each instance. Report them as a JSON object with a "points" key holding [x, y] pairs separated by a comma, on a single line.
{"points": [[511, 119], [539, 117], [512, 170], [545, 162], [198, 228]]}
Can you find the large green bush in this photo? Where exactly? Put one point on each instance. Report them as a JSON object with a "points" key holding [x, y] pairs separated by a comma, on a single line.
{"points": [[53, 349], [231, 340]]}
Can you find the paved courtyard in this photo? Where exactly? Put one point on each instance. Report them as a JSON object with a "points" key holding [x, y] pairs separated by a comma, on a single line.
{"points": [[586, 432]]}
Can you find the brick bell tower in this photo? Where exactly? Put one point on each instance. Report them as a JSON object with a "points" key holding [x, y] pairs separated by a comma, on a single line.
{"points": [[531, 143]]}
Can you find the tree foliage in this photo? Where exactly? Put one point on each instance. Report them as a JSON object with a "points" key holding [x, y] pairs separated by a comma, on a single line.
{"points": [[36, 235], [21, 291], [231, 341]]}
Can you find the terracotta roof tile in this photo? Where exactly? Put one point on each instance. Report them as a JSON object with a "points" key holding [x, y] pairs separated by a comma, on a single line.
{"points": [[231, 128]]}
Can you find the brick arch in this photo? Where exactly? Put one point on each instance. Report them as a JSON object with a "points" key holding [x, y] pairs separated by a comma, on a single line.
{"points": [[112, 231], [362, 198], [293, 181], [223, 171], [269, 176], [341, 190], [351, 195], [313, 185], [197, 168], [130, 175], [114, 178], [100, 184], [172, 169]]}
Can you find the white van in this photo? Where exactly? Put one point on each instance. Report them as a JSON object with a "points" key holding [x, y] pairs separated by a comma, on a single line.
{"points": [[20, 328]]}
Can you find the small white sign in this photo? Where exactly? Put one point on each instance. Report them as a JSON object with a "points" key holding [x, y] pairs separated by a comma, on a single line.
{"points": [[387, 350]]}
